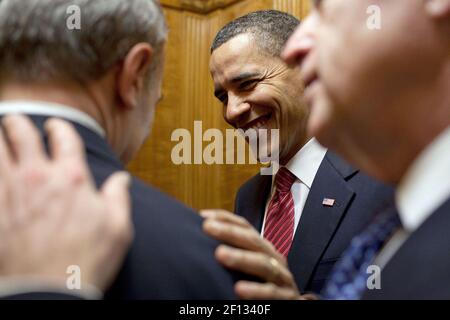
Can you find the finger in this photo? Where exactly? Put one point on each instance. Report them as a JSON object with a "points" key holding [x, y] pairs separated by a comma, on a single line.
{"points": [[25, 140], [225, 216], [264, 291], [254, 264], [115, 192], [64, 141], [309, 297], [67, 150], [26, 146], [5, 182], [5, 157], [238, 236]]}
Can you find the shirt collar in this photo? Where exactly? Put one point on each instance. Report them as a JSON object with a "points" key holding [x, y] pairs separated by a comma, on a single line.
{"points": [[426, 185], [41, 108], [306, 162]]}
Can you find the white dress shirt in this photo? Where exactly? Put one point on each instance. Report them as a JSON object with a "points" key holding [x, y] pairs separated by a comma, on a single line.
{"points": [[304, 165], [43, 108], [423, 189]]}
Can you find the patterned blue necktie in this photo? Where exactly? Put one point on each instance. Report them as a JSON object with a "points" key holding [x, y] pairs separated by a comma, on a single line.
{"points": [[349, 278]]}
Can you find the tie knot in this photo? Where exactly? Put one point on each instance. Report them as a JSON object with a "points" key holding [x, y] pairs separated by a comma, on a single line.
{"points": [[284, 180]]}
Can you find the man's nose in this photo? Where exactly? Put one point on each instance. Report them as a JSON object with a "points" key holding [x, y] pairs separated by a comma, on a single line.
{"points": [[235, 108], [301, 43]]}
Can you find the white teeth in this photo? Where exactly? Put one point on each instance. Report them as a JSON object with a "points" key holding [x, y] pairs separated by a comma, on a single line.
{"points": [[260, 124]]}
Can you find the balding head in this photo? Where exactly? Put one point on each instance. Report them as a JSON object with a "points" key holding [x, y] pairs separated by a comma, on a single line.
{"points": [[109, 66], [37, 45]]}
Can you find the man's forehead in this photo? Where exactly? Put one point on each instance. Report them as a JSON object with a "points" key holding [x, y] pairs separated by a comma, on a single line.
{"points": [[235, 45], [240, 49], [236, 58]]}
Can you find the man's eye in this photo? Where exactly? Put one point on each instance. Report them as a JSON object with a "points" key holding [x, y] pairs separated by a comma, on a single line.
{"points": [[247, 85], [223, 98]]}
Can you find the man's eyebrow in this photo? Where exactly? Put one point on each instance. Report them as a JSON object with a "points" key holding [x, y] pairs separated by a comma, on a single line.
{"points": [[244, 76]]}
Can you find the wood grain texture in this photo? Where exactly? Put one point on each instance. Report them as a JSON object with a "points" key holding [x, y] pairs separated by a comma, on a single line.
{"points": [[198, 6], [188, 96]]}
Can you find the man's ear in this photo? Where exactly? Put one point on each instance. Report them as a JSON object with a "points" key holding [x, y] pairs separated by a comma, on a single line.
{"points": [[131, 77], [438, 8]]}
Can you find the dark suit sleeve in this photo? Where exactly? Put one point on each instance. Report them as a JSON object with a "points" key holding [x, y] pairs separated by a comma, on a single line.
{"points": [[245, 195], [237, 201], [42, 296]]}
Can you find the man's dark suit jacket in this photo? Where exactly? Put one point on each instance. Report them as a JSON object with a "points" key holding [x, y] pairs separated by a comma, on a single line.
{"points": [[420, 269], [171, 257], [323, 233]]}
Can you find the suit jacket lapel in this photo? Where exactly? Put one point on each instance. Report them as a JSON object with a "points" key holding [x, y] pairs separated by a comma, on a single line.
{"points": [[318, 223], [254, 207]]}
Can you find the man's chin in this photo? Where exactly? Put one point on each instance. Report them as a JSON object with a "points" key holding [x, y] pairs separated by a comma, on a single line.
{"points": [[318, 128], [320, 125]]}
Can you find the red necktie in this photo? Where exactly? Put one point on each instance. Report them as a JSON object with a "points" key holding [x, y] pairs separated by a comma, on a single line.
{"points": [[279, 227]]}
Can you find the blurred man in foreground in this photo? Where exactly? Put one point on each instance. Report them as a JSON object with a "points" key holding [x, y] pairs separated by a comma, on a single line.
{"points": [[386, 108]]}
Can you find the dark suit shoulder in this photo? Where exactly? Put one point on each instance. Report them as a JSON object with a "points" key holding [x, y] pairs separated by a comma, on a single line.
{"points": [[42, 296], [370, 193], [420, 268], [171, 257], [370, 197]]}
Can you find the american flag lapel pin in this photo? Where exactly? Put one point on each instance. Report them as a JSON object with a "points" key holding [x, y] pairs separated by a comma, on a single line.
{"points": [[327, 202]]}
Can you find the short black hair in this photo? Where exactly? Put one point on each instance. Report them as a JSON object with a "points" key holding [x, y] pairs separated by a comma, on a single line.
{"points": [[270, 28]]}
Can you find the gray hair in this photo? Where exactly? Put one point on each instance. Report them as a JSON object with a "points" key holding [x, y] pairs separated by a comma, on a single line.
{"points": [[270, 28], [36, 44]]}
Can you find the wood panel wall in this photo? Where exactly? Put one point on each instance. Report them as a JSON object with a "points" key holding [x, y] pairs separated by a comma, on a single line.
{"points": [[188, 96]]}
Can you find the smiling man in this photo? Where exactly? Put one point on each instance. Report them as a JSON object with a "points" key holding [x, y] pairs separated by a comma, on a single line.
{"points": [[258, 91], [316, 202]]}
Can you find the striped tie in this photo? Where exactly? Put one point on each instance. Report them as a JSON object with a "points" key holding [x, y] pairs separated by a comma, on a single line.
{"points": [[279, 227], [349, 278]]}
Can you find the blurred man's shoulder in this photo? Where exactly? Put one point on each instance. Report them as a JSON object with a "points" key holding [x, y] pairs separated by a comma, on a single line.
{"points": [[171, 257]]}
